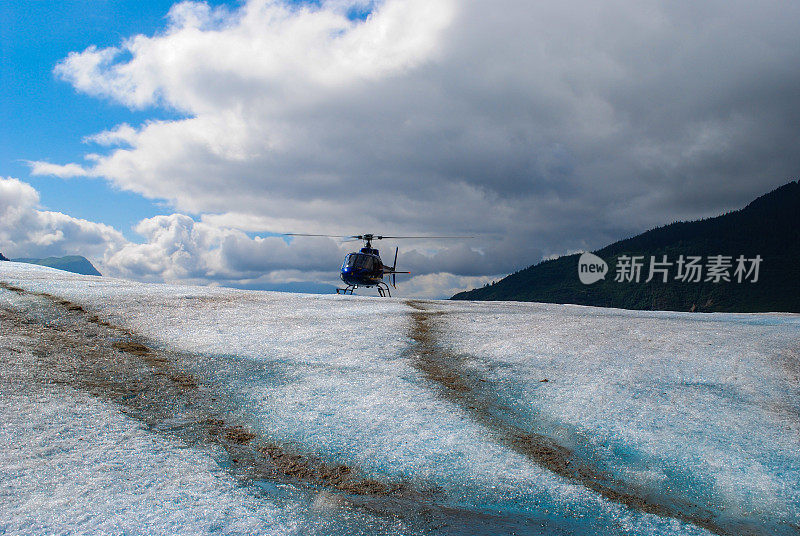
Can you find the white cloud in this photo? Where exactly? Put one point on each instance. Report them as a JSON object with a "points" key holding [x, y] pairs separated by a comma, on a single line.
{"points": [[440, 285], [121, 134], [207, 53], [26, 231], [179, 249], [65, 171], [539, 127]]}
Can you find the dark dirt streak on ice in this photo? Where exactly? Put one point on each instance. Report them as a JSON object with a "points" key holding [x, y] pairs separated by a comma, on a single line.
{"points": [[79, 349], [467, 389], [790, 362]]}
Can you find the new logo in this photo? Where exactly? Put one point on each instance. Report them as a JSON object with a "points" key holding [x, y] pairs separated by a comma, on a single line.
{"points": [[591, 268]]}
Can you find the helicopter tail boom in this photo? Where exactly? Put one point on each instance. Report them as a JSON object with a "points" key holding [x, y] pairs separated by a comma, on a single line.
{"points": [[391, 269]]}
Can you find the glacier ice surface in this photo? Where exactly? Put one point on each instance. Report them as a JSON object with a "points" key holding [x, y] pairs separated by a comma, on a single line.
{"points": [[698, 407]]}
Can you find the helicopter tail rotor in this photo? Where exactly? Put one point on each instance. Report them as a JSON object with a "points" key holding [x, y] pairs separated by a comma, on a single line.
{"points": [[393, 269], [394, 266]]}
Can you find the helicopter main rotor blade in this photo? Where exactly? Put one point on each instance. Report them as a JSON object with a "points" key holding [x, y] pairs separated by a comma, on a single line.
{"points": [[438, 237], [307, 234], [370, 236], [342, 238]]}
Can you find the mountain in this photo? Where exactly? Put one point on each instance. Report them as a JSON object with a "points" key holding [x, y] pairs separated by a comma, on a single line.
{"points": [[3, 257], [768, 228], [71, 263]]}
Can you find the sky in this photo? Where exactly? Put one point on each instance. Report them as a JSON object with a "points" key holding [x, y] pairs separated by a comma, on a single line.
{"points": [[175, 141]]}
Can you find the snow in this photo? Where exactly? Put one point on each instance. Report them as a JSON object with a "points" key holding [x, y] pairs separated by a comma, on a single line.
{"points": [[706, 405], [72, 465], [689, 408]]}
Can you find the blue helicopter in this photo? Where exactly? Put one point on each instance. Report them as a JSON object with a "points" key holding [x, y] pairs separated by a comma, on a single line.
{"points": [[364, 268]]}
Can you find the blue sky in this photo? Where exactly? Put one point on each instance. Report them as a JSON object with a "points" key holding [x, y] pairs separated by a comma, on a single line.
{"points": [[45, 118]]}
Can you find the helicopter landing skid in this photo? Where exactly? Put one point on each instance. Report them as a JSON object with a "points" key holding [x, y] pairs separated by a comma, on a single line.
{"points": [[383, 290]]}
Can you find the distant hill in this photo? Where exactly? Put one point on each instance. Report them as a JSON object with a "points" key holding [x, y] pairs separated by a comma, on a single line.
{"points": [[71, 263], [768, 227]]}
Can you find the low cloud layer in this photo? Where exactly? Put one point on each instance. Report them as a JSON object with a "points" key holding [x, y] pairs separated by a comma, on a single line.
{"points": [[27, 231], [176, 248], [539, 128]]}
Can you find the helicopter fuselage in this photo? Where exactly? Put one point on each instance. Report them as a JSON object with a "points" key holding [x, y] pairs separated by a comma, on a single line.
{"points": [[363, 269]]}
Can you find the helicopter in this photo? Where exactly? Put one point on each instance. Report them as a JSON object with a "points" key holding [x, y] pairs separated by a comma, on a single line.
{"points": [[365, 268]]}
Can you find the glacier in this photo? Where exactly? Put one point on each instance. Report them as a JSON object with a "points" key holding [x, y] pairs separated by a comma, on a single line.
{"points": [[504, 418]]}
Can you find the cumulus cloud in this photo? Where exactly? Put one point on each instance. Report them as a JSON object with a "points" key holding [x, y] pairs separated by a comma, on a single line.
{"points": [[119, 135], [538, 127], [441, 285], [27, 231], [64, 171], [177, 248]]}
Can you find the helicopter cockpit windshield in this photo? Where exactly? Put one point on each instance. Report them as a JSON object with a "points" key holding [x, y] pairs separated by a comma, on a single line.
{"points": [[359, 261]]}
